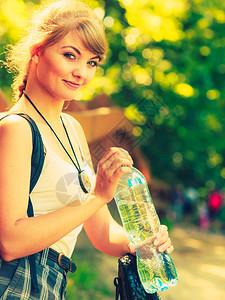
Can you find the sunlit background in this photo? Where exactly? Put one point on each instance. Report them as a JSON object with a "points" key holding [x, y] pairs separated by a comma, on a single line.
{"points": [[166, 69]]}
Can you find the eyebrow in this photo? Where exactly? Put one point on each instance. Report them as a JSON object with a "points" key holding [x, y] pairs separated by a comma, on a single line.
{"points": [[78, 52]]}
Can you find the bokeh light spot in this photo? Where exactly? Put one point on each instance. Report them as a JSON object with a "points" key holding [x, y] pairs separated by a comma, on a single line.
{"points": [[212, 94], [184, 90], [108, 21]]}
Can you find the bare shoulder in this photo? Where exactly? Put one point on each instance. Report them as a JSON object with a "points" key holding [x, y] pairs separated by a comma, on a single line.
{"points": [[15, 131], [15, 122], [15, 168]]}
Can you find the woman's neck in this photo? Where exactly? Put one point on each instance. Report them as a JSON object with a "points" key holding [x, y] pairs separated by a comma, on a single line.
{"points": [[49, 107]]}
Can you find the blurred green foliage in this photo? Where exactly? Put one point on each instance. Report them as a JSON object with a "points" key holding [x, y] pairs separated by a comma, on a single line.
{"points": [[166, 68]]}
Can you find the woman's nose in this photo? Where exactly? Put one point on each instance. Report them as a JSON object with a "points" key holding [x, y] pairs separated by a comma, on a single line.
{"points": [[80, 71]]}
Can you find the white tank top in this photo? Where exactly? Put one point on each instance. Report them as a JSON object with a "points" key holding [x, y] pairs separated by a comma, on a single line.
{"points": [[58, 185]]}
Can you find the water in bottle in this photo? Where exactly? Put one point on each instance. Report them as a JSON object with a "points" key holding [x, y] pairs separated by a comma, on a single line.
{"points": [[141, 222]]}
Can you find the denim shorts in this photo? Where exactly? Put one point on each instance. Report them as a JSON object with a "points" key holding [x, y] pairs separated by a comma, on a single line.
{"points": [[15, 279]]}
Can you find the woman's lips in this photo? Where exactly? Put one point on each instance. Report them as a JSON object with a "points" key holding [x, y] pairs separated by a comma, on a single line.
{"points": [[71, 84]]}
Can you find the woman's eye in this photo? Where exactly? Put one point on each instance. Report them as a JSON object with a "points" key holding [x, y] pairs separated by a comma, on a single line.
{"points": [[93, 63], [69, 55]]}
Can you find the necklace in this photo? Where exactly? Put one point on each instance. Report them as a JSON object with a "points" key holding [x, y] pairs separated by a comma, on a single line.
{"points": [[84, 180]]}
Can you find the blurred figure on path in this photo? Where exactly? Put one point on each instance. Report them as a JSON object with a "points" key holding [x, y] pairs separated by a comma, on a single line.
{"points": [[204, 221], [215, 200], [177, 203], [191, 197]]}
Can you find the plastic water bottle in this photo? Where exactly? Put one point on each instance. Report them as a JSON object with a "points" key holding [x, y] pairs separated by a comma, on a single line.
{"points": [[141, 222]]}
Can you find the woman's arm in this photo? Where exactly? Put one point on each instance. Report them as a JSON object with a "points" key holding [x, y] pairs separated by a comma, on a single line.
{"points": [[110, 238], [21, 236], [104, 232]]}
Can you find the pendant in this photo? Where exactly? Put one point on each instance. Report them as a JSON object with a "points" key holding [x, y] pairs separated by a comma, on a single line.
{"points": [[85, 182]]}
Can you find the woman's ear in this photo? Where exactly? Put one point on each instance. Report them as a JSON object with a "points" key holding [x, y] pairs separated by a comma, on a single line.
{"points": [[35, 53]]}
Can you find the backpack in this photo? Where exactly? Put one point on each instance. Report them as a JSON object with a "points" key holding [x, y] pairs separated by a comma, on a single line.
{"points": [[37, 162], [128, 284]]}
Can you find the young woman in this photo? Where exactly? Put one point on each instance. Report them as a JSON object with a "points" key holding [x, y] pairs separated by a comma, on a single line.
{"points": [[54, 62]]}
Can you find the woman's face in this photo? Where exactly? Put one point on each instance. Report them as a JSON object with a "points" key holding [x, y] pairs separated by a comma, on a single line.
{"points": [[66, 67]]}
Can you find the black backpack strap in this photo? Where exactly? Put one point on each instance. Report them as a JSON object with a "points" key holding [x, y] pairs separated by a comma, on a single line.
{"points": [[37, 158], [37, 162]]}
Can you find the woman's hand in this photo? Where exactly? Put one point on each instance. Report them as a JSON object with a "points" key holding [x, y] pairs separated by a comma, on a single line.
{"points": [[162, 242], [114, 164]]}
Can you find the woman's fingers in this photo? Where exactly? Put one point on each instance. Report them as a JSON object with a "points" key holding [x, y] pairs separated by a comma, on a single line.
{"points": [[163, 242], [131, 249], [114, 164], [170, 249], [163, 247], [162, 235], [112, 161], [115, 157]]}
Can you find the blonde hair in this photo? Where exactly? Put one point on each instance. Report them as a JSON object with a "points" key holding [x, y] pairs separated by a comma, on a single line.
{"points": [[48, 26]]}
